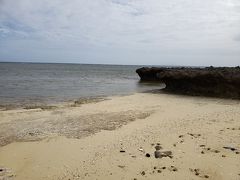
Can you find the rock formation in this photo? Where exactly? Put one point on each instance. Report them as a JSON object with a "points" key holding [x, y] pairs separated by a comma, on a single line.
{"points": [[209, 81]]}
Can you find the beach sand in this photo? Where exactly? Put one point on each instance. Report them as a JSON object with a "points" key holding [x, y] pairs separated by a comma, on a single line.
{"points": [[109, 139]]}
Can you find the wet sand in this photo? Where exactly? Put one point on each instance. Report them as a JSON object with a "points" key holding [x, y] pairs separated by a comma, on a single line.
{"points": [[117, 138]]}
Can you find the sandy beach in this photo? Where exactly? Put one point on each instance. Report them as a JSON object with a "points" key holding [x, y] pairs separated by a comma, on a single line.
{"points": [[116, 137]]}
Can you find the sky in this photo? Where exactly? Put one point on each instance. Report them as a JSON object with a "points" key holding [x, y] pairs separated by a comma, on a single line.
{"points": [[144, 32]]}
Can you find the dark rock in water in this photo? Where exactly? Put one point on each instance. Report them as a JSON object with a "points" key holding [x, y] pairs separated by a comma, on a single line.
{"points": [[209, 81]]}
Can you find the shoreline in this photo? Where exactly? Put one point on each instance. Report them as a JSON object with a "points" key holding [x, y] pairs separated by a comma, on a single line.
{"points": [[133, 124], [48, 105]]}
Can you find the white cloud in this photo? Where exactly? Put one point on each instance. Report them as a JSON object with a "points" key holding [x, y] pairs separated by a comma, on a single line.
{"points": [[151, 26]]}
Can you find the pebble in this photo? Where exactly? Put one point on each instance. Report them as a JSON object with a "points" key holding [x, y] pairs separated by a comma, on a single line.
{"points": [[158, 154], [158, 147], [231, 148], [121, 166], [167, 153], [173, 168], [148, 155], [159, 171], [122, 151], [143, 173]]}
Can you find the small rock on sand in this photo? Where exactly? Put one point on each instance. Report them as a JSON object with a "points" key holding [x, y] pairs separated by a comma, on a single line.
{"points": [[147, 155], [230, 148], [158, 154], [167, 153], [121, 166], [173, 168], [158, 147]]}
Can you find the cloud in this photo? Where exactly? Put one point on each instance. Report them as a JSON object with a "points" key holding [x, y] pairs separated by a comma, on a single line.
{"points": [[122, 25], [237, 37]]}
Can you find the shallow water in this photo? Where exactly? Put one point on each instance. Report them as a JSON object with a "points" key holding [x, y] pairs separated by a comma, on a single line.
{"points": [[23, 83]]}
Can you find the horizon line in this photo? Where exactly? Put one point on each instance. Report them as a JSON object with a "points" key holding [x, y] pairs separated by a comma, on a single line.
{"points": [[152, 65]]}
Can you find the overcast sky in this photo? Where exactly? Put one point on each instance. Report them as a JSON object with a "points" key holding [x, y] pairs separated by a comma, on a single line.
{"points": [[154, 32]]}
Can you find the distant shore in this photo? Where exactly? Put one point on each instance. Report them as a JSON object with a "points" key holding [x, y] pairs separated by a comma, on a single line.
{"points": [[116, 139]]}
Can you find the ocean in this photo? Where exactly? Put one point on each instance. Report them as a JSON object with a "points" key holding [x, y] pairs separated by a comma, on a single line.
{"points": [[29, 83]]}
